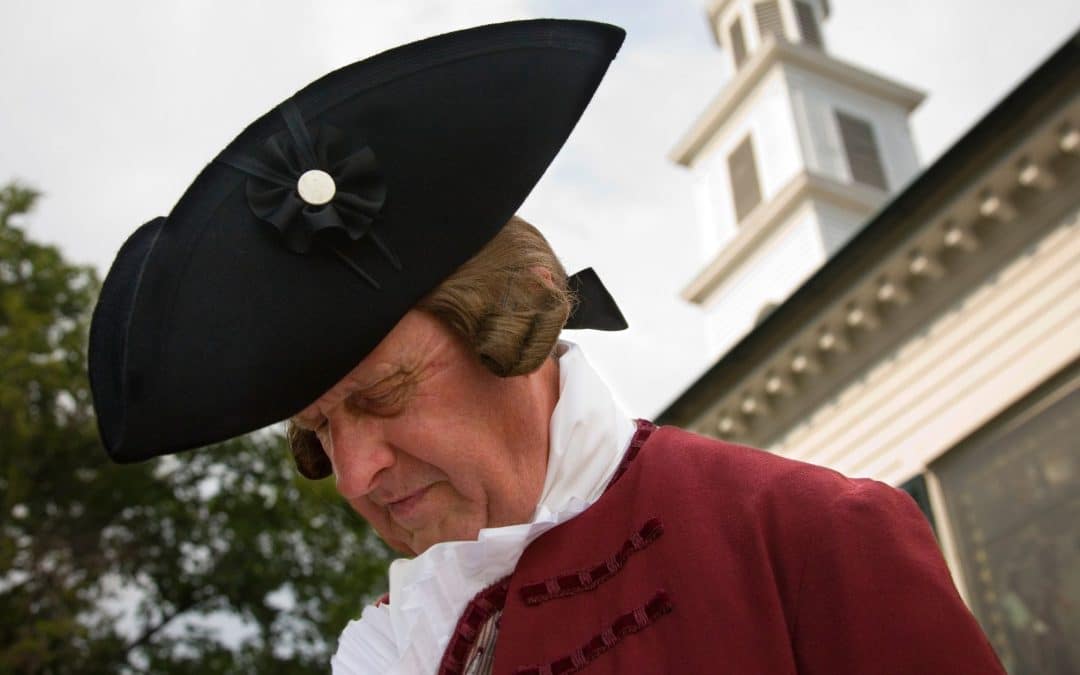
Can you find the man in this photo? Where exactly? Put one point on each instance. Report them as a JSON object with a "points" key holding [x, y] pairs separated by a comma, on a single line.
{"points": [[351, 262]]}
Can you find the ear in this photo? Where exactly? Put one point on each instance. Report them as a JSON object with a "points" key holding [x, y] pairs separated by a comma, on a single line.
{"points": [[311, 460]]}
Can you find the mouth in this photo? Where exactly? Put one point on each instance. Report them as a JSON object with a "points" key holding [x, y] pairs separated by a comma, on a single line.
{"points": [[407, 505]]}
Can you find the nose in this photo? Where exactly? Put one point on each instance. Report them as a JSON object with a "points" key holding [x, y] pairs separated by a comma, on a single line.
{"points": [[359, 452]]}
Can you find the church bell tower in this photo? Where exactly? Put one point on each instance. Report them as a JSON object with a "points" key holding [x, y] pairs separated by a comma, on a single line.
{"points": [[791, 157]]}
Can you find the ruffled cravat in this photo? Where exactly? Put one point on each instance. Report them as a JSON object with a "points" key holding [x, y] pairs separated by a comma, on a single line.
{"points": [[589, 435]]}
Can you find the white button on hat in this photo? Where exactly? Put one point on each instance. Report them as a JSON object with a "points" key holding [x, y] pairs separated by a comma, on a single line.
{"points": [[316, 187]]}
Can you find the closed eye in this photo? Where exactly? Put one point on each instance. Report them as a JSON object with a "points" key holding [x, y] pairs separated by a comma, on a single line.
{"points": [[386, 398], [381, 404]]}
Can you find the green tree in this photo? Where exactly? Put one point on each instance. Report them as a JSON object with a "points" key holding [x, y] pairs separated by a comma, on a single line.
{"points": [[215, 561]]}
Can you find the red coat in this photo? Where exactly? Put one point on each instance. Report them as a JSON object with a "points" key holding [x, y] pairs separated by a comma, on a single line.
{"points": [[706, 557]]}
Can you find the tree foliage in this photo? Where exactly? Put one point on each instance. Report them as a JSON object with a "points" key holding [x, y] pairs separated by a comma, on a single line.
{"points": [[215, 561]]}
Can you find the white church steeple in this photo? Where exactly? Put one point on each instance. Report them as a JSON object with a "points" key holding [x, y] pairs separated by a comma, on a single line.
{"points": [[795, 153]]}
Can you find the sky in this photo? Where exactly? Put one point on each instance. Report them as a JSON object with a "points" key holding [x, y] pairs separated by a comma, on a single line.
{"points": [[112, 107]]}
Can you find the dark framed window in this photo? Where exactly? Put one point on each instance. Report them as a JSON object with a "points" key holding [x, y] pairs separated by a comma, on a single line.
{"points": [[738, 42], [861, 149], [808, 25], [744, 180]]}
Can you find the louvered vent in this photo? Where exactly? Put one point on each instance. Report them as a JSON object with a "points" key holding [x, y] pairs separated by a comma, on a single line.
{"points": [[738, 43], [808, 25], [768, 19], [744, 180], [863, 157]]}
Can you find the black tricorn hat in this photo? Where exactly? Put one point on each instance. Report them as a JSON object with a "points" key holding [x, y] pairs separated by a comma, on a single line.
{"points": [[300, 246]]}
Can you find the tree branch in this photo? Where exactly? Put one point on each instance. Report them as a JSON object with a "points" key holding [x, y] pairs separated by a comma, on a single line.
{"points": [[165, 620]]}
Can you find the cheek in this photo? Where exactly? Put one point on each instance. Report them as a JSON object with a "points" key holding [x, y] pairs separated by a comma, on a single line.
{"points": [[436, 441]]}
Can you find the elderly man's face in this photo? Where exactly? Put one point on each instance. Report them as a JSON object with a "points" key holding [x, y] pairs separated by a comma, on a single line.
{"points": [[427, 444]]}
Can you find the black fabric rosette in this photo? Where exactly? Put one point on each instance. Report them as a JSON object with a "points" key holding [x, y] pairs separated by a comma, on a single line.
{"points": [[359, 189], [273, 196]]}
